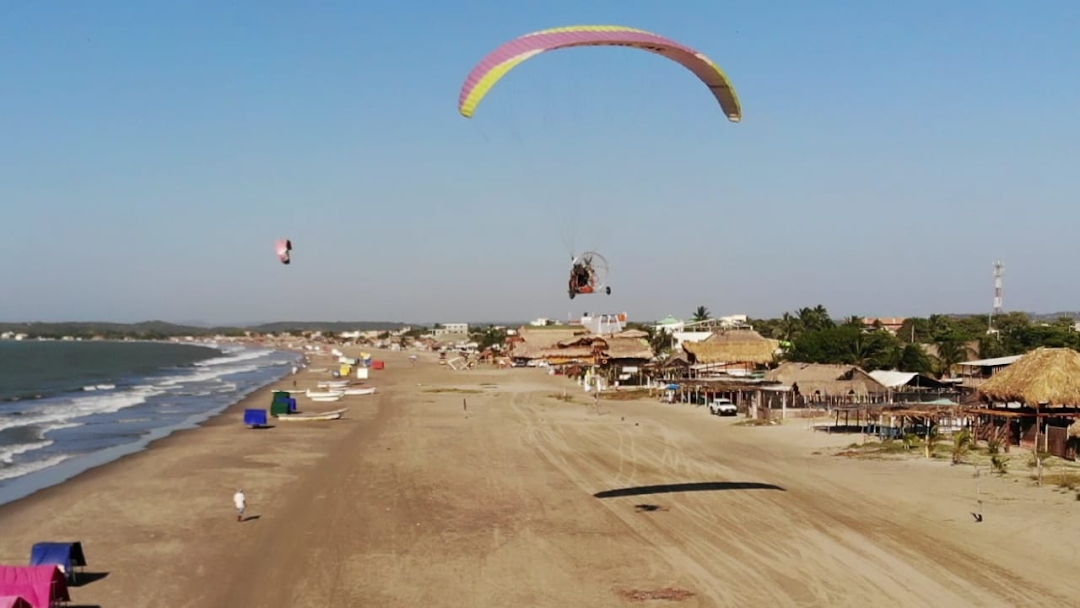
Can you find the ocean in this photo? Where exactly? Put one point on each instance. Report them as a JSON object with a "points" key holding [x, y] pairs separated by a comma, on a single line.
{"points": [[68, 406]]}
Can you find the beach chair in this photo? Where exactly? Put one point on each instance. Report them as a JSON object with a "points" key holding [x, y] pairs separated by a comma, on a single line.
{"points": [[255, 418]]}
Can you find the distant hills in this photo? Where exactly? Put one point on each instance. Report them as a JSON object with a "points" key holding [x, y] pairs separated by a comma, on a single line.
{"points": [[164, 329]]}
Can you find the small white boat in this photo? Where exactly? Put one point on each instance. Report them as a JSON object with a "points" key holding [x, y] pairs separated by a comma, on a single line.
{"points": [[360, 391], [334, 384], [334, 415], [330, 399], [314, 394], [317, 369]]}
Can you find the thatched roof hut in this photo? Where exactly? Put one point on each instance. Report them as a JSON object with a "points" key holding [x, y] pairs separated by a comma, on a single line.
{"points": [[826, 380], [532, 343], [1047, 377], [735, 346], [563, 346], [628, 348]]}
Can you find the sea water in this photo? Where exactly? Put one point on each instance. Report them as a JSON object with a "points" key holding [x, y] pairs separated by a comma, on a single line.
{"points": [[69, 406]]}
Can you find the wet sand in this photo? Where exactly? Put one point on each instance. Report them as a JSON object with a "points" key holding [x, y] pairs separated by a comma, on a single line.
{"points": [[526, 499]]}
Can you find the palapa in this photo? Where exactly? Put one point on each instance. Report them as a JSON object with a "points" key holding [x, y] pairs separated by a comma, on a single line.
{"points": [[1044, 377], [734, 346]]}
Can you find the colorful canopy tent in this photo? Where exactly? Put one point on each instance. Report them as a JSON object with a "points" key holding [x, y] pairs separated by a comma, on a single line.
{"points": [[255, 417], [40, 586], [67, 556], [13, 601]]}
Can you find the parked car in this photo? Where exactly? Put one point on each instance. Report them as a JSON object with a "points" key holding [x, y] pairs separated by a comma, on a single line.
{"points": [[722, 407]]}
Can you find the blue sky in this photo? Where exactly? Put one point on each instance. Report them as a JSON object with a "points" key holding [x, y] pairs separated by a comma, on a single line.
{"points": [[151, 153]]}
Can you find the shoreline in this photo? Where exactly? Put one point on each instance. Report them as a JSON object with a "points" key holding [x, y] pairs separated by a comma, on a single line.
{"points": [[71, 469]]}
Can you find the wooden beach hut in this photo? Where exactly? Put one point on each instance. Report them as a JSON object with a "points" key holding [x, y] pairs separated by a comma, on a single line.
{"points": [[742, 349], [1034, 402]]}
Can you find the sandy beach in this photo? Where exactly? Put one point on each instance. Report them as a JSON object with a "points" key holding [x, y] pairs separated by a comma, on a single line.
{"points": [[486, 488]]}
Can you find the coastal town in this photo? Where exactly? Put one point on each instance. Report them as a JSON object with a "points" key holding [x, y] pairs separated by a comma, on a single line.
{"points": [[605, 304]]}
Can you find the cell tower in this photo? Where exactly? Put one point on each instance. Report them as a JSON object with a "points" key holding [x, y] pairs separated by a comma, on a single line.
{"points": [[999, 273]]}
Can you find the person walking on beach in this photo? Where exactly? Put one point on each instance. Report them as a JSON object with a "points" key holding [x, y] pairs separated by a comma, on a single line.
{"points": [[240, 502]]}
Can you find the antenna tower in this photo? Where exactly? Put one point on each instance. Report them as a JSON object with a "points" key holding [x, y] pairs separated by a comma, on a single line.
{"points": [[999, 273]]}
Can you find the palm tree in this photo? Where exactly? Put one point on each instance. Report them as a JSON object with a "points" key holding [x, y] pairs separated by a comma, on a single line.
{"points": [[790, 327], [950, 353], [823, 316], [701, 314]]}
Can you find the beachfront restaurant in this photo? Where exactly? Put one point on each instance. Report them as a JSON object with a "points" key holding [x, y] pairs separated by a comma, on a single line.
{"points": [[1033, 403]]}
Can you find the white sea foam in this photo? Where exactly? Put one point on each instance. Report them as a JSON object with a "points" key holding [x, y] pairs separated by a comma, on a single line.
{"points": [[58, 412], [206, 375], [244, 355], [8, 454], [23, 468]]}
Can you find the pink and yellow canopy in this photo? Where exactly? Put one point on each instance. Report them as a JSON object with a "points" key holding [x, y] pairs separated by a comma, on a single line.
{"points": [[503, 59]]}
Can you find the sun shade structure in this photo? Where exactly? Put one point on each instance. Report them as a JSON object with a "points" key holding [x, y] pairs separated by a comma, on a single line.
{"points": [[1046, 377], [67, 556], [40, 586], [255, 417], [508, 56]]}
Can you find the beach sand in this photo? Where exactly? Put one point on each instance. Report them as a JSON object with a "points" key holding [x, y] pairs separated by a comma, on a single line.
{"points": [[525, 499]]}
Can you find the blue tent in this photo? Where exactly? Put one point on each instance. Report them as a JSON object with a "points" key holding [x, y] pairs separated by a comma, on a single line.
{"points": [[65, 555]]}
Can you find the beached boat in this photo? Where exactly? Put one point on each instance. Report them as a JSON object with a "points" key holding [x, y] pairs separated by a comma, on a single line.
{"points": [[329, 399], [333, 393], [334, 384], [334, 415], [360, 391]]}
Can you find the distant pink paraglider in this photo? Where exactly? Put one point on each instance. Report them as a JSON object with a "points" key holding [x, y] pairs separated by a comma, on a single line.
{"points": [[283, 247]]}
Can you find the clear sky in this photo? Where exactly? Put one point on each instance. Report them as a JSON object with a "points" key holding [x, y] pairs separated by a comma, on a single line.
{"points": [[151, 153]]}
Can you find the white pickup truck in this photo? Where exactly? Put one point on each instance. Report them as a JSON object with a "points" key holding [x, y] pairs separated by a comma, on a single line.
{"points": [[722, 407]]}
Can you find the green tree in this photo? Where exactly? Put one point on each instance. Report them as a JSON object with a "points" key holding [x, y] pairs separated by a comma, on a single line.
{"points": [[701, 314], [950, 353], [914, 359]]}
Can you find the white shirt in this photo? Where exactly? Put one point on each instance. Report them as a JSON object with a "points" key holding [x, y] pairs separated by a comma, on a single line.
{"points": [[238, 500]]}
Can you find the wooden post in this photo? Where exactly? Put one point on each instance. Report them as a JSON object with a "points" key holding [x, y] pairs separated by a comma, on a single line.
{"points": [[1038, 458], [927, 437]]}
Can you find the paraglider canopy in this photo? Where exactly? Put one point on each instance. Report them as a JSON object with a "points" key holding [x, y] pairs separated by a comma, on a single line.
{"points": [[505, 58], [282, 248]]}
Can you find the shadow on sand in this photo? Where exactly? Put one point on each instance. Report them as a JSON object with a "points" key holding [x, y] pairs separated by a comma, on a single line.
{"points": [[250, 518], [704, 486], [83, 579]]}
